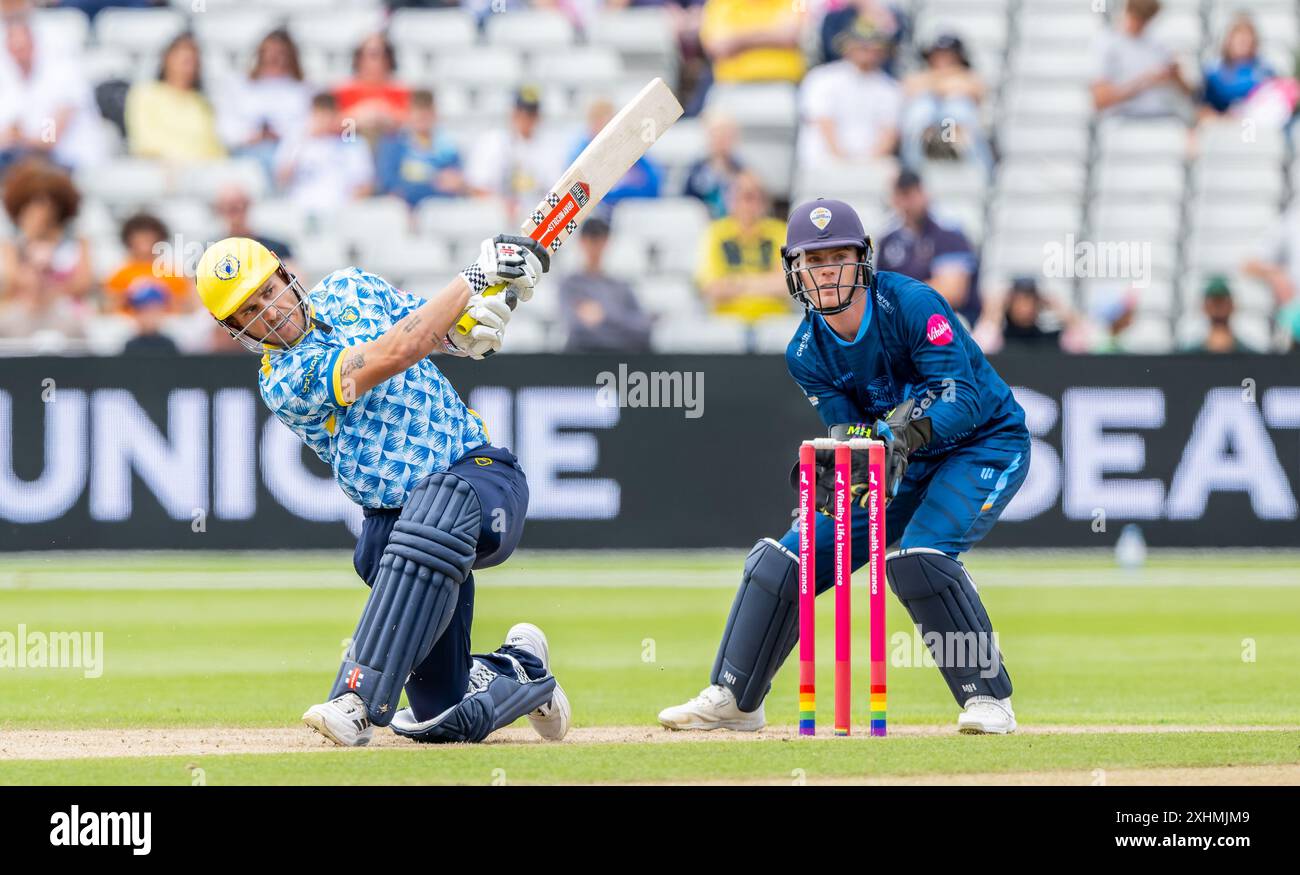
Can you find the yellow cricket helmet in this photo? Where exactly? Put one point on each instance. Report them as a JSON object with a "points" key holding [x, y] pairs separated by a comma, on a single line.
{"points": [[230, 271]]}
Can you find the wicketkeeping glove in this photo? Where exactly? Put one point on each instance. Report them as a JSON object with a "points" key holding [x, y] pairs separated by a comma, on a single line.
{"points": [[902, 436]]}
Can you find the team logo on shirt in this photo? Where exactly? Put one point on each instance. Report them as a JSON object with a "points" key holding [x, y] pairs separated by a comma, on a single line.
{"points": [[938, 331], [227, 268], [820, 217], [349, 315]]}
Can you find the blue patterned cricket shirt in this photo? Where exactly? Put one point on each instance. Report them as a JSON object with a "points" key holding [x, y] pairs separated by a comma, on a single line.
{"points": [[407, 427]]}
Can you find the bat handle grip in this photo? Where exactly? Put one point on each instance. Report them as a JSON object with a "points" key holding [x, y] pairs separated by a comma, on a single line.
{"points": [[467, 322]]}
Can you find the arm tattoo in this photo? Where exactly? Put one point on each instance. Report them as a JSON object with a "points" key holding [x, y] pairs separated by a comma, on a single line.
{"points": [[354, 362], [410, 323]]}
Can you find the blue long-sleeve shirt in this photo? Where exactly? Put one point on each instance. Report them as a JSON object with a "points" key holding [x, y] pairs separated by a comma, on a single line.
{"points": [[910, 345]]}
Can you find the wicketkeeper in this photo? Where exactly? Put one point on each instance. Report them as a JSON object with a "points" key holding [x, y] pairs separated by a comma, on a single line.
{"points": [[347, 367], [881, 355]]}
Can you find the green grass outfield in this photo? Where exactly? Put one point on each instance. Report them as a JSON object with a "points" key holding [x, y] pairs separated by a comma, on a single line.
{"points": [[248, 641]]}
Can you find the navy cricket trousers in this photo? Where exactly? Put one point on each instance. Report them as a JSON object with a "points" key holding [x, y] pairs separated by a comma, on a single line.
{"points": [[441, 679]]}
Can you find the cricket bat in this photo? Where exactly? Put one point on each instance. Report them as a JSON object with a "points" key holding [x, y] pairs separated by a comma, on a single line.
{"points": [[618, 146]]}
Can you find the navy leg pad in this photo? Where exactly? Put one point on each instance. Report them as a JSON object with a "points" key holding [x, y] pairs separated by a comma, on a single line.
{"points": [[763, 625], [948, 613], [428, 556], [494, 700]]}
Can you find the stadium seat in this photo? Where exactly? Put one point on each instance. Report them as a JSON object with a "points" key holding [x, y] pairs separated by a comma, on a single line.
{"points": [[138, 31], [461, 224], [1050, 101], [575, 67], [1155, 298], [669, 297], [432, 30], [1053, 64], [643, 37], [1179, 30], [673, 225], [67, 26], [236, 32], [1257, 181], [319, 255], [1043, 140], [403, 257], [848, 181], [980, 27], [189, 217], [957, 178], [1149, 335], [1041, 179], [1144, 182], [1043, 26], [279, 218], [1238, 142], [773, 161], [711, 334], [1141, 141], [768, 106], [529, 30], [773, 335], [1120, 220], [375, 219], [124, 181], [204, 180], [482, 70]]}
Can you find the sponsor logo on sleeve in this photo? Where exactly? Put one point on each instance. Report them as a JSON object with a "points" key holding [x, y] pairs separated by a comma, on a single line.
{"points": [[938, 331]]}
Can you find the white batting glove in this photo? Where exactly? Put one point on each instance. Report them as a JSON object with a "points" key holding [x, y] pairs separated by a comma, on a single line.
{"points": [[511, 260], [492, 313]]}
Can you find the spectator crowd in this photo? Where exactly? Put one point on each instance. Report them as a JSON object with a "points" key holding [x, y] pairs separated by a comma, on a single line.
{"points": [[131, 133]]}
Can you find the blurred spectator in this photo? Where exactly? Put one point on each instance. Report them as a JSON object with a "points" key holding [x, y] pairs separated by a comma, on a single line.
{"points": [[147, 305], [1116, 316], [170, 118], [641, 180], [602, 312], [46, 104], [850, 108], [739, 270], [920, 246], [1238, 71], [518, 163], [327, 165], [1218, 307], [256, 113], [1135, 76], [420, 161], [941, 112], [753, 40], [885, 18], [373, 98], [1023, 320], [710, 176], [45, 270], [231, 206], [149, 264]]}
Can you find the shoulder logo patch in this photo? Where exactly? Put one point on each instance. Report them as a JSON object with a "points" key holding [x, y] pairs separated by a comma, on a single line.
{"points": [[349, 315], [482, 461], [938, 331]]}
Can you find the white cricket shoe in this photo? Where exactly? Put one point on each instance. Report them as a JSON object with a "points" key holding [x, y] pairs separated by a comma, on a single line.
{"points": [[985, 715], [551, 721], [714, 708], [343, 721]]}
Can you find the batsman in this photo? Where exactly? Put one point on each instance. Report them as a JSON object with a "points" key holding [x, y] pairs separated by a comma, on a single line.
{"points": [[347, 367], [881, 355]]}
